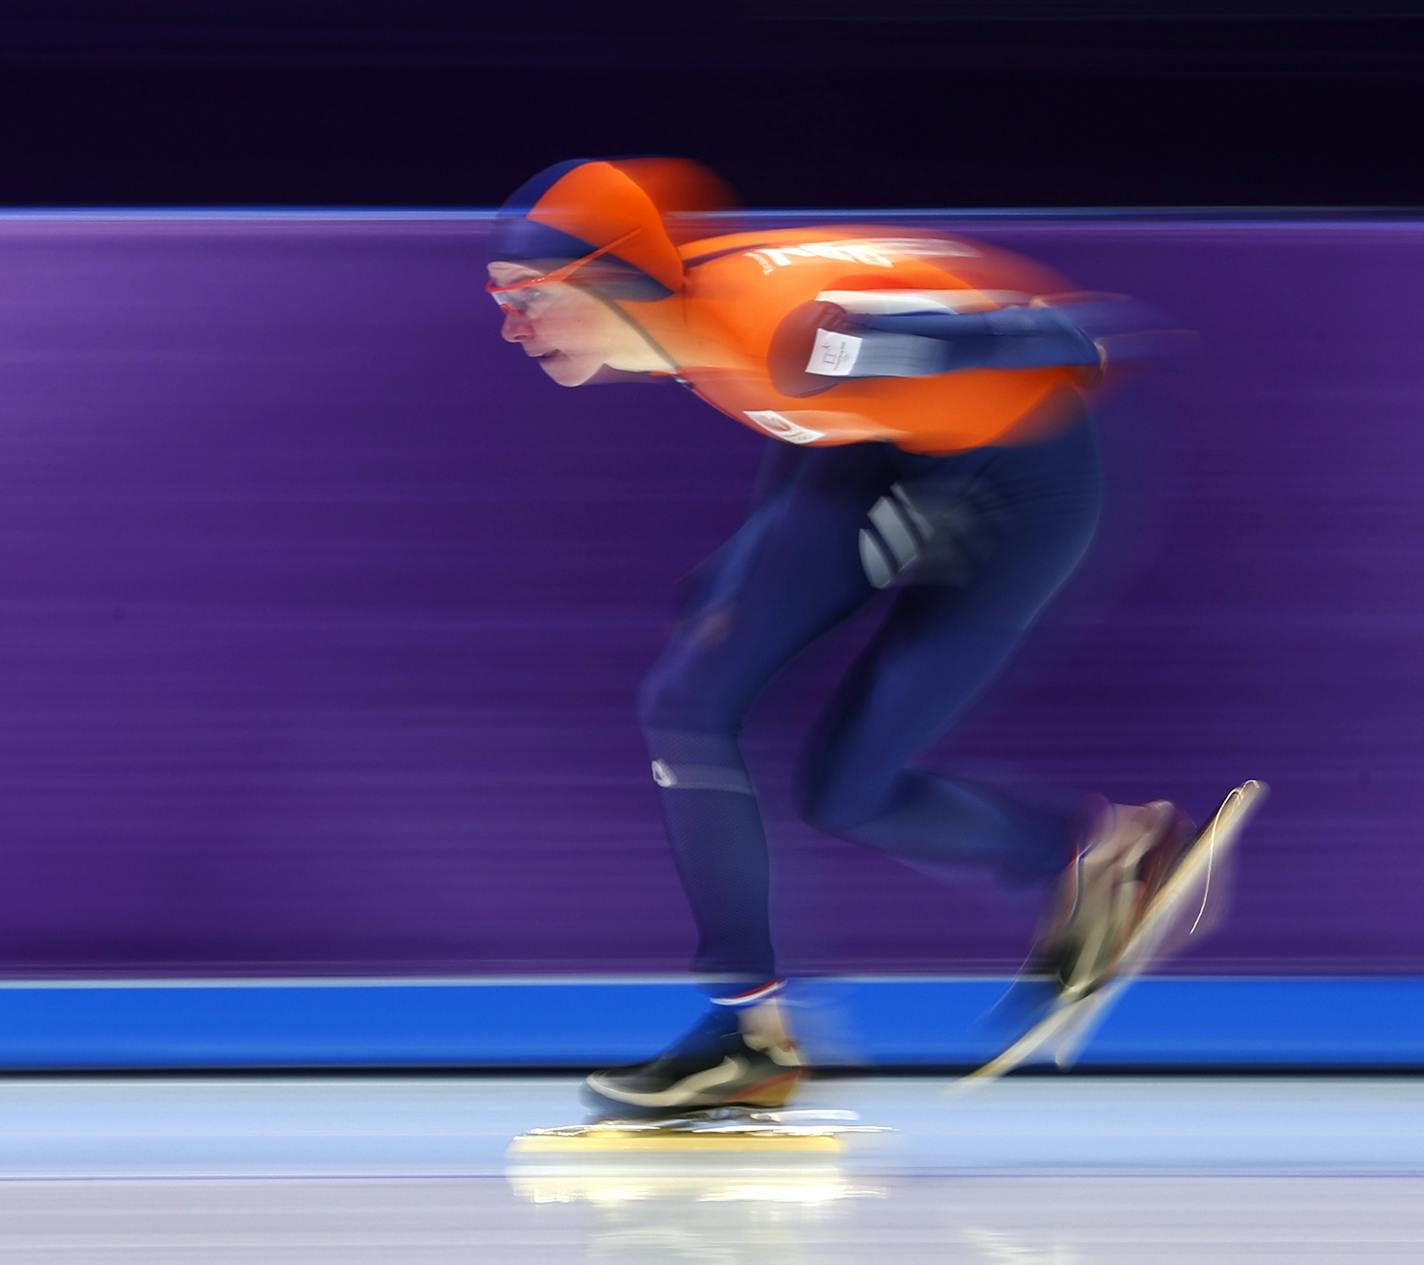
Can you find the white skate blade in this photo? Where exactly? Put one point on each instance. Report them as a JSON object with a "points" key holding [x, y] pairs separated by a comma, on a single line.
{"points": [[1214, 842], [1065, 1028], [806, 1131]]}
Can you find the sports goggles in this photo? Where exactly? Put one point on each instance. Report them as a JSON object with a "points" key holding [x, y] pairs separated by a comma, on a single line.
{"points": [[519, 295]]}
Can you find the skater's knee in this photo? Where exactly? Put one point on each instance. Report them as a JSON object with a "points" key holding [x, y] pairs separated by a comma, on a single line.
{"points": [[678, 696], [835, 804]]}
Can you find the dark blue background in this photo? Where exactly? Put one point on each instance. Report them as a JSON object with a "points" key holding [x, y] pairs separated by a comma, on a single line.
{"points": [[800, 103]]}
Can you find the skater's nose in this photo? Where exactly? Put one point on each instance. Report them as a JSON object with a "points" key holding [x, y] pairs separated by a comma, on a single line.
{"points": [[516, 328]]}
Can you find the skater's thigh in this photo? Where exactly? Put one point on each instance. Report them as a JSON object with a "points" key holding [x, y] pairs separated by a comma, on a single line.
{"points": [[955, 623], [792, 572]]}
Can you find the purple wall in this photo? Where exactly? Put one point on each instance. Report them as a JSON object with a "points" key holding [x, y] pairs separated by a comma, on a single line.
{"points": [[321, 612]]}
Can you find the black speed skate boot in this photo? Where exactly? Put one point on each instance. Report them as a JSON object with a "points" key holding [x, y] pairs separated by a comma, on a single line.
{"points": [[1124, 855], [732, 1058]]}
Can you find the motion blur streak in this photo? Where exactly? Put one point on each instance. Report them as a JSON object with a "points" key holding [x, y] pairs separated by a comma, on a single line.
{"points": [[321, 619]]}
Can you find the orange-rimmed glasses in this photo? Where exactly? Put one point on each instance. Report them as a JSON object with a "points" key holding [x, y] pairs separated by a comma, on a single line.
{"points": [[519, 295]]}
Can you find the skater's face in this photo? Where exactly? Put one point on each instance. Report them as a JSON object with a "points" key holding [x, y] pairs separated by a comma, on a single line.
{"points": [[569, 332]]}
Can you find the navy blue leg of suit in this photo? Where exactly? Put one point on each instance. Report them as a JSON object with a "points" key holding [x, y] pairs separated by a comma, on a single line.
{"points": [[981, 541]]}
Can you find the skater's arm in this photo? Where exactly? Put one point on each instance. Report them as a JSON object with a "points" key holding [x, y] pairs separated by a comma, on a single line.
{"points": [[921, 344], [845, 335]]}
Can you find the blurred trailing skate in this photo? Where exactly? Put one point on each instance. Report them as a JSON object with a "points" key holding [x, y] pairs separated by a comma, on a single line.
{"points": [[735, 1057], [1138, 874], [1122, 860]]}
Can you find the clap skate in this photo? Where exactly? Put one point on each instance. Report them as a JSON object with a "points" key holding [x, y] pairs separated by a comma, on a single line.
{"points": [[732, 1058], [1126, 856], [1117, 912], [723, 1087]]}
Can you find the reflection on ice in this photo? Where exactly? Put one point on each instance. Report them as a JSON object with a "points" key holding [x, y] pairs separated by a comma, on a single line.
{"points": [[370, 1171], [811, 1187]]}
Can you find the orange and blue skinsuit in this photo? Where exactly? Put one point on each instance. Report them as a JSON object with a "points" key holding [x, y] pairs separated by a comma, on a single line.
{"points": [[931, 441]]}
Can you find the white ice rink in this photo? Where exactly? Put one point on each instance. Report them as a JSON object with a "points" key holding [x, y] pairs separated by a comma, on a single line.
{"points": [[412, 1171]]}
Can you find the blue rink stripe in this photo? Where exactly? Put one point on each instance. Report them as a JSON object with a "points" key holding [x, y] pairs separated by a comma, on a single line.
{"points": [[900, 1021]]}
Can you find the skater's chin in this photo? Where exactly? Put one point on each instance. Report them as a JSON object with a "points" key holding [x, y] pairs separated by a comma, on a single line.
{"points": [[564, 369]]}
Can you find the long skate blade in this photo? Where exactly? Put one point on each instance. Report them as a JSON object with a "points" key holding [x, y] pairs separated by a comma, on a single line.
{"points": [[1037, 1038], [744, 1130], [615, 1142], [1072, 1022], [1212, 845], [1210, 848], [1091, 1012]]}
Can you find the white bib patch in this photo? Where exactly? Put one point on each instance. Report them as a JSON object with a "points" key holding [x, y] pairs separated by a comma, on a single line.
{"points": [[834, 355], [783, 427]]}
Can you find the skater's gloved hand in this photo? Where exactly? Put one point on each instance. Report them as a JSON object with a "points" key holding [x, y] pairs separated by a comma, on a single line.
{"points": [[1126, 331]]}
